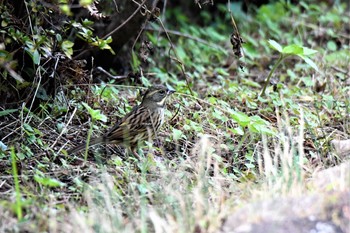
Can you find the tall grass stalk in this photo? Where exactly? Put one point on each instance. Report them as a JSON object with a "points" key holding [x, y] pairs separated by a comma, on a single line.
{"points": [[17, 189], [88, 139]]}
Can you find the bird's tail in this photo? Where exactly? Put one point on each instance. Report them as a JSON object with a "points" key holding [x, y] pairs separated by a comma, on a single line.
{"points": [[93, 142]]}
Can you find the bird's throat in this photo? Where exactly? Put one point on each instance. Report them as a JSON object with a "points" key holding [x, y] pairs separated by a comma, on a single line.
{"points": [[161, 103]]}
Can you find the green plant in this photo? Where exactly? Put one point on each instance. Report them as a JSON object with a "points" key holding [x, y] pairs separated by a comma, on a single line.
{"points": [[96, 115], [286, 52], [85, 32]]}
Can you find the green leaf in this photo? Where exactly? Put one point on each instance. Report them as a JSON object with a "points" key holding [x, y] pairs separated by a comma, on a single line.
{"points": [[47, 181], [145, 81], [85, 2], [67, 48], [28, 128], [331, 45], [65, 9], [135, 62], [58, 37], [60, 127], [88, 23], [273, 44], [310, 62], [237, 131], [36, 57], [258, 125], [103, 44], [95, 114], [241, 118], [293, 49], [7, 112], [3, 23], [308, 52], [219, 115], [177, 134], [109, 39], [67, 44]]}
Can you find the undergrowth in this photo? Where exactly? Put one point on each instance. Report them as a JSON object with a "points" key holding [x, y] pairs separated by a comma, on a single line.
{"points": [[227, 140]]}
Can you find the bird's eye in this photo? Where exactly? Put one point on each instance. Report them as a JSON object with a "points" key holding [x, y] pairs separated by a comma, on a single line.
{"points": [[162, 92]]}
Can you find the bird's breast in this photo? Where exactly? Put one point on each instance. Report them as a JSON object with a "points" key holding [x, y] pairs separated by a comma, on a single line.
{"points": [[157, 118]]}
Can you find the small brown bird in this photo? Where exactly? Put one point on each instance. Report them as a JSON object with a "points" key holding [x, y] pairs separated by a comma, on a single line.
{"points": [[139, 125]]}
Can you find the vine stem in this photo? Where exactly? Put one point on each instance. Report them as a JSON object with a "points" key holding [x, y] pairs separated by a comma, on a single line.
{"points": [[279, 61]]}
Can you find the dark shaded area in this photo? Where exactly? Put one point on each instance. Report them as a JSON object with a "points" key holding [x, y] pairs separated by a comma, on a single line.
{"points": [[130, 19], [47, 21]]}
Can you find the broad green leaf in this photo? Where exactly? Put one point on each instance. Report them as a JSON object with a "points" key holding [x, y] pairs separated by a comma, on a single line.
{"points": [[273, 44], [58, 37], [309, 61], [95, 114], [258, 128], [109, 39], [331, 45], [308, 52], [145, 81], [219, 115], [293, 49], [241, 118], [67, 48], [87, 107], [28, 128], [181, 53], [36, 57], [237, 131], [99, 116], [177, 134], [65, 9], [88, 23], [67, 44], [3, 23]]}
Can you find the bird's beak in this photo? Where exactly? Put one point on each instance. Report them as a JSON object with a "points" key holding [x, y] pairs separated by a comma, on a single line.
{"points": [[170, 92]]}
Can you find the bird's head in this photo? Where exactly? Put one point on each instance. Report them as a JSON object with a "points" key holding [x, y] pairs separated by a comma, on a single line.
{"points": [[156, 96]]}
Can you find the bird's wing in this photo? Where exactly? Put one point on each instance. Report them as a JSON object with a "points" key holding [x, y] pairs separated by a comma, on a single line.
{"points": [[116, 126], [135, 122]]}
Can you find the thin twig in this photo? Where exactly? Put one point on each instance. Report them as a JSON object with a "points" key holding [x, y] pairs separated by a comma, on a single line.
{"points": [[172, 47], [144, 25], [64, 129], [110, 75], [187, 36], [38, 74], [176, 113], [119, 76], [340, 70], [126, 21]]}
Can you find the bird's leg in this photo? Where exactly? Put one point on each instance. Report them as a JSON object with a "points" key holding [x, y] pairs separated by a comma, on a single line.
{"points": [[134, 151]]}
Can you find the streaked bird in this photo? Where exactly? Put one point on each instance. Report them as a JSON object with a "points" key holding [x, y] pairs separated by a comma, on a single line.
{"points": [[140, 124]]}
